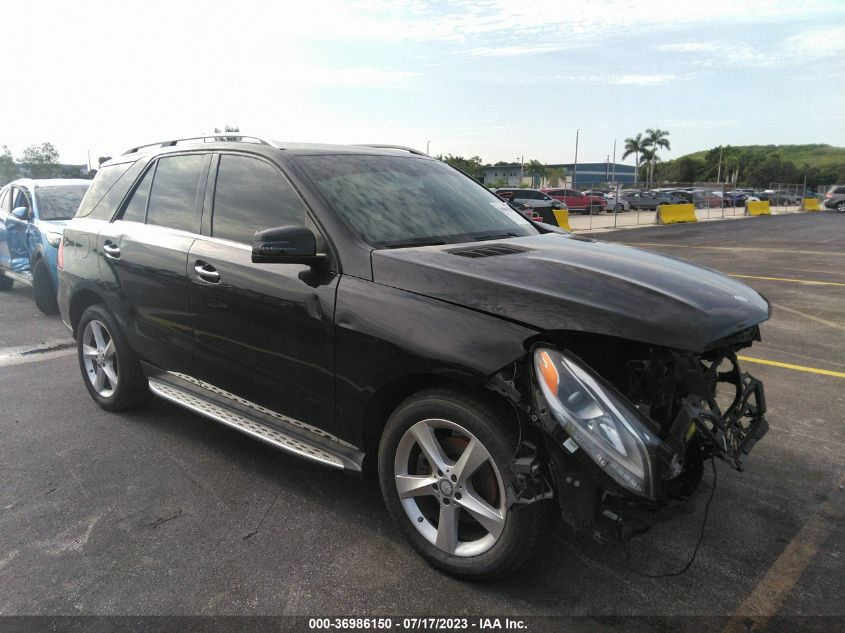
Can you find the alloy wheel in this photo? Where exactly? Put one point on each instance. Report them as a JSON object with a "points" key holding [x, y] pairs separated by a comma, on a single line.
{"points": [[100, 358], [450, 487]]}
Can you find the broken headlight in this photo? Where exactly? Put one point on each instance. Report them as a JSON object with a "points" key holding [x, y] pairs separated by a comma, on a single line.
{"points": [[601, 422]]}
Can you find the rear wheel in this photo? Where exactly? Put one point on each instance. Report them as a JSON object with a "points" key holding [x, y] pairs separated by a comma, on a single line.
{"points": [[42, 289], [444, 464], [619, 208], [109, 365]]}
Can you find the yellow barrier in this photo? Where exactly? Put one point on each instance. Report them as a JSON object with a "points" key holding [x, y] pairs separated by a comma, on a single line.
{"points": [[758, 207], [562, 218], [674, 213], [810, 204]]}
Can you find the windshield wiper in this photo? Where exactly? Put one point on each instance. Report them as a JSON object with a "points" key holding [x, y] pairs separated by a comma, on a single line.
{"points": [[416, 242], [500, 236]]}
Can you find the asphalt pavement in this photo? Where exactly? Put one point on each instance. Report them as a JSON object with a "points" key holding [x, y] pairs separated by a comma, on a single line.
{"points": [[162, 512]]}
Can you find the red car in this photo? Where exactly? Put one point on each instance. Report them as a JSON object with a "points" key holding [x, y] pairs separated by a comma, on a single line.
{"points": [[577, 201]]}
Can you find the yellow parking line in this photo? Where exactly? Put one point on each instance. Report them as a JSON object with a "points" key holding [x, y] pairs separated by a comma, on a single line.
{"points": [[774, 363], [780, 579], [797, 281]]}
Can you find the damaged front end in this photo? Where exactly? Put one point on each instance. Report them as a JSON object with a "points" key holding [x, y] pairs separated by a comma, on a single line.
{"points": [[625, 428]]}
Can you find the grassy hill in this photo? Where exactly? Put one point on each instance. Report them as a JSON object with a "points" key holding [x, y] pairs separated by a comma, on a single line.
{"points": [[813, 155], [759, 165]]}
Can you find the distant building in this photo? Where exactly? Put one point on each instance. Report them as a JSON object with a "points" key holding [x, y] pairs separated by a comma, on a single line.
{"points": [[587, 175]]}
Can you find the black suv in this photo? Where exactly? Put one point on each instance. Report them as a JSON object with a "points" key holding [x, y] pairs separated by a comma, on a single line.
{"points": [[375, 310]]}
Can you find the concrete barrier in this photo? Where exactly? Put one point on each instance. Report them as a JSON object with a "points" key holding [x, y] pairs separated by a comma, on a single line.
{"points": [[675, 213], [562, 218], [758, 207], [810, 204]]}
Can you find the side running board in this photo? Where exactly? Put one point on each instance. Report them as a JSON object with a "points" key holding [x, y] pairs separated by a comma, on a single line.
{"points": [[318, 449]]}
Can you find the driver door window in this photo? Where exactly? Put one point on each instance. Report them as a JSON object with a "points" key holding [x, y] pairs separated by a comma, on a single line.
{"points": [[251, 195]]}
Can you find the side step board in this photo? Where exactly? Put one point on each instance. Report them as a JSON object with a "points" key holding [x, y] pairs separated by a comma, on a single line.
{"points": [[319, 450]]}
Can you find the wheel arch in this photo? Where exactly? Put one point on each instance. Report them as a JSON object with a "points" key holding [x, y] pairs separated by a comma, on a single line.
{"points": [[80, 302], [385, 400]]}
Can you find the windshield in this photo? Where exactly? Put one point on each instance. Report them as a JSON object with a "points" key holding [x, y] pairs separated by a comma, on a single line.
{"points": [[398, 201], [59, 203]]}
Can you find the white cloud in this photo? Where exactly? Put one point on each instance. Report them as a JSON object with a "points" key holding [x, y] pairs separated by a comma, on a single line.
{"points": [[643, 80]]}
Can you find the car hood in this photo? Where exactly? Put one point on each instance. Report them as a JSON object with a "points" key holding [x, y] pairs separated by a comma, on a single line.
{"points": [[53, 225], [563, 282]]}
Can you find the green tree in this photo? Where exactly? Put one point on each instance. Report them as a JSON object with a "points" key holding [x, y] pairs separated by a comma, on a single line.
{"points": [[536, 170], [470, 166], [635, 145], [41, 160], [7, 167], [655, 139], [556, 176]]}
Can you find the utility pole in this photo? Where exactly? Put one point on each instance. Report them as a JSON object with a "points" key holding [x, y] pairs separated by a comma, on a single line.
{"points": [[719, 173], [614, 161], [575, 167]]}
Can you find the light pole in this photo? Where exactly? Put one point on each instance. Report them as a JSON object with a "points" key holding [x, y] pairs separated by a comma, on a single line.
{"points": [[575, 167], [427, 145], [614, 161]]}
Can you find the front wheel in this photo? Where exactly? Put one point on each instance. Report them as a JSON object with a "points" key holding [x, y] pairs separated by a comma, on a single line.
{"points": [[42, 289], [840, 207], [445, 460], [109, 365]]}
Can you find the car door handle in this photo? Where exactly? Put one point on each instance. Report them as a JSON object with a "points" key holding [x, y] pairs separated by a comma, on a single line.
{"points": [[111, 249], [206, 272]]}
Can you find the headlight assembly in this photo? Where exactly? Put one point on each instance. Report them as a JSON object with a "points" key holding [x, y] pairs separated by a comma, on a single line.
{"points": [[603, 424]]}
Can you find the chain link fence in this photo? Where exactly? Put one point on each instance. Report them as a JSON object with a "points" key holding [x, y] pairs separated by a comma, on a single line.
{"points": [[629, 206]]}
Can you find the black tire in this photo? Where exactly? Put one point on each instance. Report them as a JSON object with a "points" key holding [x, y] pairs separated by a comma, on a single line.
{"points": [[493, 427], [840, 207], [42, 289], [619, 208], [5, 283], [132, 389]]}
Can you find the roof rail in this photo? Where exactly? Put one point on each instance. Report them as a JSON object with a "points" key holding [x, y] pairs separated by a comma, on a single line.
{"points": [[203, 137], [382, 146]]}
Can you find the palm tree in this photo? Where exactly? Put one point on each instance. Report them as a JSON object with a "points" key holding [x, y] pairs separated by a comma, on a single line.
{"points": [[555, 176], [646, 157], [537, 171], [634, 146], [654, 139]]}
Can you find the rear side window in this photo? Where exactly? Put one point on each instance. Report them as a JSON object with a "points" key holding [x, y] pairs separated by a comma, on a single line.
{"points": [[173, 199], [251, 195], [136, 209], [105, 179], [839, 190]]}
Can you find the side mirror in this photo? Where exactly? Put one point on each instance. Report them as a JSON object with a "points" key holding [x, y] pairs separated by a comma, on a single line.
{"points": [[286, 245], [21, 213]]}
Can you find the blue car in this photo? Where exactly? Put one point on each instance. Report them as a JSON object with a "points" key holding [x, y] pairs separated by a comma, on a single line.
{"points": [[33, 214]]}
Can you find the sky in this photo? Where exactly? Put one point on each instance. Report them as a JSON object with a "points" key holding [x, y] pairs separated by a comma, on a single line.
{"points": [[498, 79]]}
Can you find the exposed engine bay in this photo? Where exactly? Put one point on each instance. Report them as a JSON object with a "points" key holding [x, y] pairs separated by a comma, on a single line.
{"points": [[617, 430]]}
